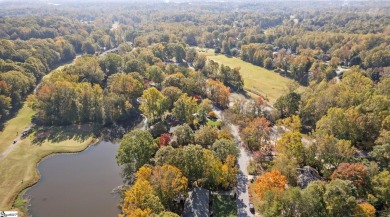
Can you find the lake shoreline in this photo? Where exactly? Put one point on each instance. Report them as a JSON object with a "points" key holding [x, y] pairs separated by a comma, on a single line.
{"points": [[37, 177]]}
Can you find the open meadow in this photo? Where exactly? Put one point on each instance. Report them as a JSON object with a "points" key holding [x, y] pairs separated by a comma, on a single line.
{"points": [[257, 80]]}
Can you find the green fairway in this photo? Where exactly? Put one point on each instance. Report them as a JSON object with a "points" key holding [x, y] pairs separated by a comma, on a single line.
{"points": [[15, 126], [258, 80]]}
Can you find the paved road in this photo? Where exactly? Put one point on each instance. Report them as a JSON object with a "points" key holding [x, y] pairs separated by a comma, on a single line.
{"points": [[242, 177]]}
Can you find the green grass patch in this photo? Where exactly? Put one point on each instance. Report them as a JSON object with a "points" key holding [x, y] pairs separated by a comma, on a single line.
{"points": [[21, 204], [15, 126], [214, 123], [258, 80], [224, 206]]}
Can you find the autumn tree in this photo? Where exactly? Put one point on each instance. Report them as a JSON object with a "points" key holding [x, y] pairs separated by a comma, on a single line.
{"points": [[111, 63], [381, 154], [135, 65], [332, 152], [212, 172], [343, 124], [140, 200], [355, 172], [136, 149], [299, 67], [144, 173], [165, 139], [292, 123], [168, 183], [191, 161], [88, 47], [290, 144], [88, 69], [229, 172], [185, 108], [257, 133], [270, 181], [155, 74], [380, 185], [184, 135], [164, 155], [218, 92], [340, 198], [365, 209], [288, 104], [206, 136], [168, 214], [125, 85], [222, 148], [313, 197], [204, 108], [171, 94], [200, 62], [152, 105]]}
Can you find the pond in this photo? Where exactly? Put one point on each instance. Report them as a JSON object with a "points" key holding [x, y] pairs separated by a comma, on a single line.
{"points": [[78, 185]]}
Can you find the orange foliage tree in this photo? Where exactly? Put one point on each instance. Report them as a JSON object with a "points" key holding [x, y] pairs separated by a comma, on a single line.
{"points": [[270, 181], [256, 134], [218, 92]]}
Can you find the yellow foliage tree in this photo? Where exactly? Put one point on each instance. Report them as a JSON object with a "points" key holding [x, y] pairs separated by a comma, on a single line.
{"points": [[229, 172], [168, 183], [365, 210], [293, 123], [143, 173], [140, 200]]}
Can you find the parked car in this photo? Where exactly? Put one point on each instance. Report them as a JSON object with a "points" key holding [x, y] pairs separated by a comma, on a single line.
{"points": [[252, 208]]}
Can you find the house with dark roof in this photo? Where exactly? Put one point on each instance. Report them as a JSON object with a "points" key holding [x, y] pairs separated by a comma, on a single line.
{"points": [[197, 203]]}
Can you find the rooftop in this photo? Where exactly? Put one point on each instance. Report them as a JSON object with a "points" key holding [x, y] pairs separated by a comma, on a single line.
{"points": [[197, 203]]}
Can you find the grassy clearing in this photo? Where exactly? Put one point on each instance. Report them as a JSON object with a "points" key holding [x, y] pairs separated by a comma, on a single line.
{"points": [[214, 123], [19, 167], [224, 206], [16, 124], [257, 80]]}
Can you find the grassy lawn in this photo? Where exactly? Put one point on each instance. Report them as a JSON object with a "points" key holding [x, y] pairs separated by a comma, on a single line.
{"points": [[257, 80], [224, 206], [16, 124], [214, 123], [19, 168]]}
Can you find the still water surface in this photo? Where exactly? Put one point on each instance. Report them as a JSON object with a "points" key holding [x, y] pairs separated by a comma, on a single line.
{"points": [[78, 185]]}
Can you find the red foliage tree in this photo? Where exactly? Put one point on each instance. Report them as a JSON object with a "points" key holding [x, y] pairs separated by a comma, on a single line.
{"points": [[165, 139]]}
